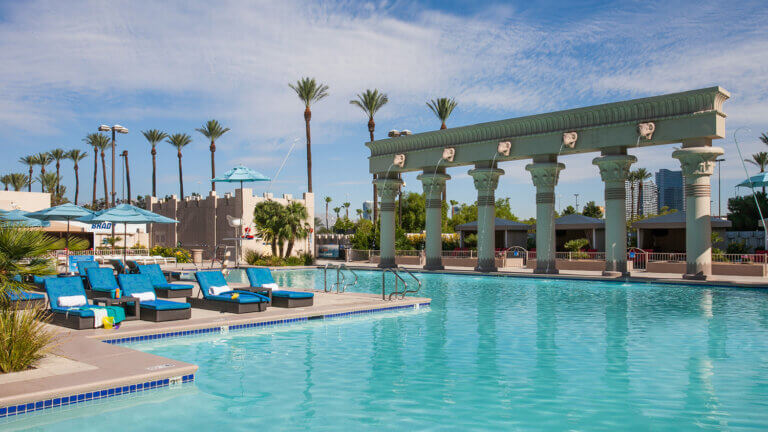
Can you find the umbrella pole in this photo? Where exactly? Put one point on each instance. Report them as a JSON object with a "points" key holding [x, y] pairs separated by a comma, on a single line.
{"points": [[125, 243], [66, 250]]}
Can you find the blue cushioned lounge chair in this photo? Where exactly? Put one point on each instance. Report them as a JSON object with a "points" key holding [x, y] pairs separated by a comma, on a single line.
{"points": [[25, 299], [82, 266], [39, 281], [162, 287], [68, 317], [118, 265], [101, 281], [154, 310], [245, 302], [261, 276]]}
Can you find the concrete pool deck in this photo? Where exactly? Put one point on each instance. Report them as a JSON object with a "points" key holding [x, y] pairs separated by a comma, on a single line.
{"points": [[83, 364]]}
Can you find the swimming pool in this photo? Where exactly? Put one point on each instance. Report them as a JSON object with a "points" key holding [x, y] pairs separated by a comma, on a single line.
{"points": [[490, 353]]}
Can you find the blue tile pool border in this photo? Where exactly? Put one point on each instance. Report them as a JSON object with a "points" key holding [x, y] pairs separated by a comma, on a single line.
{"points": [[30, 407], [218, 328]]}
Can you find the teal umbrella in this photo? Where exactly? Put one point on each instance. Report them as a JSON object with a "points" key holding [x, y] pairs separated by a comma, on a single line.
{"points": [[19, 217], [756, 180], [125, 214], [241, 174], [64, 212]]}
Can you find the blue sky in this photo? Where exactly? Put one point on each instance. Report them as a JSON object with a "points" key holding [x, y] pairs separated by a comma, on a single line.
{"points": [[173, 65]]}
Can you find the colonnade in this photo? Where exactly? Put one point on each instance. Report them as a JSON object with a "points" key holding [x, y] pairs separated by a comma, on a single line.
{"points": [[697, 160]]}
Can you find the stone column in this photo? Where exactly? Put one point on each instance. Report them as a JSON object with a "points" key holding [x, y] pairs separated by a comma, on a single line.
{"points": [[545, 176], [486, 181], [614, 170], [698, 164], [388, 188], [434, 185]]}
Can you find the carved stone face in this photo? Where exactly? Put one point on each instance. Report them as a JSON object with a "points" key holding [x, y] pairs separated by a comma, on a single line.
{"points": [[399, 160], [570, 138], [449, 153], [646, 130], [504, 148]]}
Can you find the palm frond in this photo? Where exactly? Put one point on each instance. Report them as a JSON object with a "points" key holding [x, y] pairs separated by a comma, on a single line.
{"points": [[212, 130], [179, 140], [370, 101], [442, 107], [154, 136], [309, 90]]}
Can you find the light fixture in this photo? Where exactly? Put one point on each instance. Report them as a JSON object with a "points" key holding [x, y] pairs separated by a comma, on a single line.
{"points": [[394, 133], [104, 128]]}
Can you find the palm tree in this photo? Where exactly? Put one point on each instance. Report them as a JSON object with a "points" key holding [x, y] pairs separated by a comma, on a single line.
{"points": [[30, 162], [295, 222], [764, 138], [19, 180], [213, 131], [442, 108], [58, 155], [760, 160], [453, 204], [359, 214], [48, 183], [101, 143], [43, 159], [179, 141], [337, 210], [91, 139], [346, 207], [371, 102], [309, 91], [154, 136], [76, 155], [642, 175], [327, 201], [5, 180]]}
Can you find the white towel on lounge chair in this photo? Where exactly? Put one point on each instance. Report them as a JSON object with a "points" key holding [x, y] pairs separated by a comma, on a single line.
{"points": [[145, 296], [72, 301], [271, 285], [98, 316], [217, 290]]}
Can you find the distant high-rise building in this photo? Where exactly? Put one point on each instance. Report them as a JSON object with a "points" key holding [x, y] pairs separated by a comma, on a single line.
{"points": [[368, 210], [670, 185], [648, 200]]}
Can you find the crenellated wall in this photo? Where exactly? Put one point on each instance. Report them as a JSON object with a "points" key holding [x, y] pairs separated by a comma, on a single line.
{"points": [[203, 221]]}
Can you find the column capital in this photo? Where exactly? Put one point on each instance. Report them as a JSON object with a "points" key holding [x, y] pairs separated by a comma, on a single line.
{"points": [[433, 183], [698, 161], [614, 167], [486, 179], [388, 188], [545, 173]]}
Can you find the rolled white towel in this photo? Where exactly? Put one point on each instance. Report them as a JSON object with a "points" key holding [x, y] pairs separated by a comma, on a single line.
{"points": [[217, 290], [145, 296], [271, 285], [72, 301]]}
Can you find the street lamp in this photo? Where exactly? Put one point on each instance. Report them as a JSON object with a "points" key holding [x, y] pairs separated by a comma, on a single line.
{"points": [[119, 129]]}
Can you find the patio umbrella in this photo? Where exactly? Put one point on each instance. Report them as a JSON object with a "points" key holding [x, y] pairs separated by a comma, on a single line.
{"points": [[125, 214], [19, 217], [64, 212], [241, 174], [756, 180]]}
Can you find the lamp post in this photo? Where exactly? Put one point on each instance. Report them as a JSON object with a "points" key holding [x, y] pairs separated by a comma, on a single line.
{"points": [[119, 129], [124, 155], [718, 185]]}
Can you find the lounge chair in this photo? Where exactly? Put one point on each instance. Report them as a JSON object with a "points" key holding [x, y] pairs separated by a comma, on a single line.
{"points": [[261, 277], [75, 316], [138, 285], [118, 265], [25, 299], [244, 302], [82, 266], [162, 287], [133, 266], [101, 282], [39, 281]]}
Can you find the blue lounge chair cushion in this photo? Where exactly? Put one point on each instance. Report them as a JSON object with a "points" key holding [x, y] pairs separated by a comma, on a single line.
{"points": [[83, 266], [157, 277], [169, 286], [40, 280], [210, 278], [292, 294], [138, 283], [243, 298], [61, 287], [102, 279], [24, 295]]}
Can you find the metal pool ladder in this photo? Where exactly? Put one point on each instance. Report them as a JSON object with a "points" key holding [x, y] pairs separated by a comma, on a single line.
{"points": [[396, 271], [341, 279]]}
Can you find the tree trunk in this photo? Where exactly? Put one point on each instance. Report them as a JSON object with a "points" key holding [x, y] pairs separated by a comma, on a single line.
{"points": [[104, 175], [289, 249], [213, 165], [326, 216], [77, 183], [181, 178], [42, 174], [58, 178], [274, 247], [307, 118], [31, 173], [128, 176], [443, 126], [154, 171], [95, 171]]}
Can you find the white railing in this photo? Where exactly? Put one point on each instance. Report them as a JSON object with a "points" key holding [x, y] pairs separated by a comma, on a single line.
{"points": [[102, 252], [459, 254]]}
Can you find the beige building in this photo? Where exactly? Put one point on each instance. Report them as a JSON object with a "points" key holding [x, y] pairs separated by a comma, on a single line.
{"points": [[27, 201], [203, 221]]}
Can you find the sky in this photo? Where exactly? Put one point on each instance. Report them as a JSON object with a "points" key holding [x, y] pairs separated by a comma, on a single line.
{"points": [[70, 66]]}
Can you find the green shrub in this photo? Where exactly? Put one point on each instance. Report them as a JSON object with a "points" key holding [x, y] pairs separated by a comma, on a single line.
{"points": [[737, 248], [576, 245], [25, 339], [182, 255], [256, 259]]}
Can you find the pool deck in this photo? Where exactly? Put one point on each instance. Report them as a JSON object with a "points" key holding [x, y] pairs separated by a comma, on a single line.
{"points": [[82, 362]]}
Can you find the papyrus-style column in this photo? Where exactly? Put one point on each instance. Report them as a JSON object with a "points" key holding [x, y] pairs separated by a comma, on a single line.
{"points": [[434, 185], [545, 176], [698, 164], [614, 170], [388, 189], [486, 181]]}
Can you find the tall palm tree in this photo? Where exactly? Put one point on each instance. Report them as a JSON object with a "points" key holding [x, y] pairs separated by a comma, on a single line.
{"points": [[58, 155], [371, 102], [760, 160], [179, 141], [154, 136], [346, 207], [309, 91], [76, 155], [295, 222], [213, 131], [43, 159], [19, 180], [48, 183], [642, 175], [359, 214], [30, 162], [101, 143], [327, 201], [337, 210], [5, 180], [91, 139], [442, 108]]}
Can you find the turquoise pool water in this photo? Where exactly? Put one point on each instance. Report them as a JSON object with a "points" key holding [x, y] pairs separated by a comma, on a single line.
{"points": [[491, 353]]}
